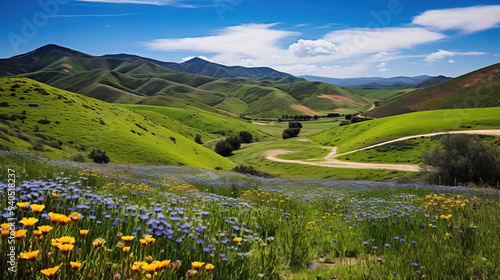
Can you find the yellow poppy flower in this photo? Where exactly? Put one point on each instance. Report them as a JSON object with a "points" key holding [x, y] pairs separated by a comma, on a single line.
{"points": [[84, 232], [50, 272], [197, 265], [22, 205], [66, 240], [209, 267], [65, 248], [37, 208], [75, 265], [126, 249], [127, 238], [20, 233], [45, 229], [238, 239], [29, 255], [29, 222]]}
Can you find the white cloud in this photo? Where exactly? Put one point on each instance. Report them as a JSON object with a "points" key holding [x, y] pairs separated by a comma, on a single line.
{"points": [[200, 56], [440, 54], [451, 61], [469, 19], [359, 41], [305, 48], [380, 55], [330, 67], [298, 69], [384, 69], [234, 42], [247, 62], [383, 64]]}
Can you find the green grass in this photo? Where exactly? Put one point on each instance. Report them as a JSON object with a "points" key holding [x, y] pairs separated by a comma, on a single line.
{"points": [[219, 124], [409, 151], [354, 136], [63, 124], [381, 94], [308, 94], [252, 154]]}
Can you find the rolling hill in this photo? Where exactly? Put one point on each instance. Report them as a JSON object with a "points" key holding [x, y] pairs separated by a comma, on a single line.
{"points": [[134, 80], [358, 135], [60, 124], [478, 89], [370, 82]]}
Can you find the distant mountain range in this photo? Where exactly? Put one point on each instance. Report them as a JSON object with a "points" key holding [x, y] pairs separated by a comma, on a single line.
{"points": [[136, 80], [400, 82], [200, 66]]}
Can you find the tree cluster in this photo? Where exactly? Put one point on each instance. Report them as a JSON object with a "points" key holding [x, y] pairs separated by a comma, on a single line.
{"points": [[227, 146], [293, 130]]}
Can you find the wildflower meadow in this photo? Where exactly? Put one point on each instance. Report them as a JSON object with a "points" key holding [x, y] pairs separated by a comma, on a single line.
{"points": [[88, 224]]}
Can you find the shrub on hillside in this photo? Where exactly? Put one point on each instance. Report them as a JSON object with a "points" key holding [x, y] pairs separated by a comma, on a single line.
{"points": [[197, 139], [294, 125], [98, 156], [245, 136], [223, 148], [250, 170], [234, 141], [290, 132], [464, 159], [78, 158]]}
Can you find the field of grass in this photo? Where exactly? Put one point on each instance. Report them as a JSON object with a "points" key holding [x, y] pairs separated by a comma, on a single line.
{"points": [[219, 124], [409, 151], [61, 124], [217, 226], [354, 136], [381, 94], [252, 154]]}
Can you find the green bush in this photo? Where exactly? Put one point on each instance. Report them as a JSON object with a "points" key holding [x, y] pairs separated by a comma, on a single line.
{"points": [[463, 159], [223, 148], [98, 156]]}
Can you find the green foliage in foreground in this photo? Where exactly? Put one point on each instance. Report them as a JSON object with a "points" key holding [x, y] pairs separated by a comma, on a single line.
{"points": [[354, 136], [295, 230]]}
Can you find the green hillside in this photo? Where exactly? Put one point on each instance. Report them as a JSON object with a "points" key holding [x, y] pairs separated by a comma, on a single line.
{"points": [[478, 89], [60, 124], [381, 95], [325, 97], [214, 123], [354, 136]]}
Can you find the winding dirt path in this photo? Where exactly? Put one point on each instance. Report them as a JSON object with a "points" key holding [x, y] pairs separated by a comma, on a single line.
{"points": [[331, 161]]}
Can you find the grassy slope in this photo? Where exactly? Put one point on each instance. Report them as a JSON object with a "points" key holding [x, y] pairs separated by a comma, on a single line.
{"points": [[209, 122], [478, 89], [75, 120], [381, 94], [307, 93], [358, 135]]}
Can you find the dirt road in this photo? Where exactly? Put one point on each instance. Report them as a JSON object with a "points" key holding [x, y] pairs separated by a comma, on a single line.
{"points": [[330, 161]]}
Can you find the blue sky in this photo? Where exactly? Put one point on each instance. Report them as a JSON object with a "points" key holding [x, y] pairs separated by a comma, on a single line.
{"points": [[314, 37]]}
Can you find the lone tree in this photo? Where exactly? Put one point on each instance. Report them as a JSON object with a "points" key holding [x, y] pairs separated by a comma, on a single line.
{"points": [[464, 159], [223, 148], [245, 136], [197, 139], [98, 156]]}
